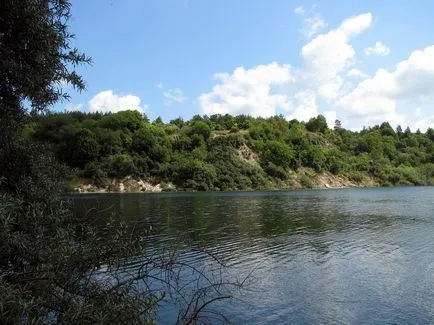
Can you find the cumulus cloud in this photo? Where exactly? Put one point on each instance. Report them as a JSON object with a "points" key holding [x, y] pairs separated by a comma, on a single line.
{"points": [[248, 91], [424, 124], [327, 55], [174, 96], [313, 25], [357, 24], [107, 101], [357, 73], [378, 49], [330, 117], [330, 77], [332, 89], [313, 22], [253, 91], [393, 118], [306, 106], [411, 80]]}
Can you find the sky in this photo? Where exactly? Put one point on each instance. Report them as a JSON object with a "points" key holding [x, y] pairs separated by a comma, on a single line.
{"points": [[362, 62]]}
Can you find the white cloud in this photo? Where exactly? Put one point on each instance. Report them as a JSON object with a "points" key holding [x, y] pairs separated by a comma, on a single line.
{"points": [[369, 97], [330, 117], [424, 124], [328, 55], [174, 96], [313, 22], [331, 77], [299, 10], [306, 108], [331, 89], [357, 73], [248, 91], [411, 81], [159, 85], [313, 25], [378, 49], [107, 101], [357, 24], [73, 107], [393, 118]]}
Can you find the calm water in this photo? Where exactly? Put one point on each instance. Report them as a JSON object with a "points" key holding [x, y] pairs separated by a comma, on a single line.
{"points": [[350, 256]]}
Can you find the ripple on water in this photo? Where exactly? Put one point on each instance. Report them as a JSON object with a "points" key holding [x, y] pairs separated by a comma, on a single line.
{"points": [[314, 257]]}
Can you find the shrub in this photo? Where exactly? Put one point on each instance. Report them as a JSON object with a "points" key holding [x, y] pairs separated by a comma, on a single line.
{"points": [[120, 165], [305, 181], [276, 171], [355, 176], [93, 171], [277, 153]]}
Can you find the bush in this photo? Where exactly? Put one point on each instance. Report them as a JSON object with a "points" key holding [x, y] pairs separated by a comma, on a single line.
{"points": [[276, 171], [120, 165], [93, 171], [200, 128], [305, 181], [277, 153], [410, 174], [317, 124], [81, 147], [131, 120], [314, 157], [355, 176], [334, 168]]}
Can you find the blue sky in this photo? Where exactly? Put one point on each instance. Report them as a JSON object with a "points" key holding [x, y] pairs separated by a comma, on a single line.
{"points": [[362, 62]]}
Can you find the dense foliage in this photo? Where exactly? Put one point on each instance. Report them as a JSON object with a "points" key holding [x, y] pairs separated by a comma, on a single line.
{"points": [[232, 153], [57, 267]]}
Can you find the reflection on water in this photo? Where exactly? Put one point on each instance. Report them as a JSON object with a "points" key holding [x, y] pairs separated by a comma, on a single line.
{"points": [[320, 256]]}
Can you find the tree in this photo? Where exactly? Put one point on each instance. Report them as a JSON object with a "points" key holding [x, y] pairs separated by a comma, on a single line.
{"points": [[278, 153], [35, 57], [50, 260], [430, 133], [201, 128], [386, 129], [158, 121], [81, 148], [399, 130], [317, 124], [338, 125], [179, 122], [131, 120]]}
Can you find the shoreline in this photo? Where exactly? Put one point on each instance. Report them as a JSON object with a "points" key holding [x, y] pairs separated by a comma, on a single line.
{"points": [[265, 189], [303, 179], [294, 189]]}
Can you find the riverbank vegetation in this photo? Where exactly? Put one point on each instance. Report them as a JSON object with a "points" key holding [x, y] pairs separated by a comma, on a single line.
{"points": [[224, 152], [57, 267]]}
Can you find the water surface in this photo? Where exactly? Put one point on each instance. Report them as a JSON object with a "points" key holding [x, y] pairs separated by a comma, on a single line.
{"points": [[348, 256]]}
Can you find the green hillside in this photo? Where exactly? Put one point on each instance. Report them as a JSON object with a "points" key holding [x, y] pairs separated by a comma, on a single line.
{"points": [[234, 152]]}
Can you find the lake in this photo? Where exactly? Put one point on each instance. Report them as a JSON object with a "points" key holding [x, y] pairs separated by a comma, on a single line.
{"points": [[344, 256]]}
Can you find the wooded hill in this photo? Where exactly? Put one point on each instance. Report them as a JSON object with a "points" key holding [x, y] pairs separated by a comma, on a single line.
{"points": [[224, 152]]}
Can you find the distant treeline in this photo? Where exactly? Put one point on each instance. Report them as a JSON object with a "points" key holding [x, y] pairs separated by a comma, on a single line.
{"points": [[224, 152]]}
